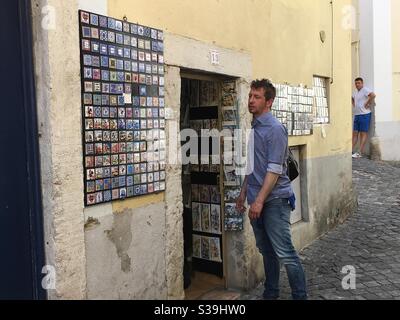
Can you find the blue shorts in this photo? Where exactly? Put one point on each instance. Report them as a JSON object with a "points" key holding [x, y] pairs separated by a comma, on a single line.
{"points": [[362, 122]]}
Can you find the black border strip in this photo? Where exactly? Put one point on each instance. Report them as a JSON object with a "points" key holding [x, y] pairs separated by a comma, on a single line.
{"points": [[32, 143]]}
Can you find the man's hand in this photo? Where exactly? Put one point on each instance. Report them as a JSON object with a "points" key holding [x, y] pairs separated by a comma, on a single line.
{"points": [[371, 98], [269, 183], [255, 210], [240, 203]]}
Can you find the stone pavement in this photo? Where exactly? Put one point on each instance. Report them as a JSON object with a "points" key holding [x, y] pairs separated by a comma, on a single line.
{"points": [[369, 241]]}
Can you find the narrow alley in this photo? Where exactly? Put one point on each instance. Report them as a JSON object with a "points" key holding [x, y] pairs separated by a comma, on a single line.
{"points": [[369, 241]]}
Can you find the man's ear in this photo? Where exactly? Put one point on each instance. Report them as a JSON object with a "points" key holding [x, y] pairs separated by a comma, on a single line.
{"points": [[270, 102]]}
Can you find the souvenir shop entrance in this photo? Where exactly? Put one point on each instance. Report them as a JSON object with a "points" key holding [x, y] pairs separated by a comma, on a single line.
{"points": [[204, 237]]}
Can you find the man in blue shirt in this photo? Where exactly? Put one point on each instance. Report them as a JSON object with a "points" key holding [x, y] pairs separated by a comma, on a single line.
{"points": [[268, 190]]}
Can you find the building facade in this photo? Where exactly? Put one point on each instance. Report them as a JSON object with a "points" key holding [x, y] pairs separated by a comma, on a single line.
{"points": [[375, 36], [134, 249]]}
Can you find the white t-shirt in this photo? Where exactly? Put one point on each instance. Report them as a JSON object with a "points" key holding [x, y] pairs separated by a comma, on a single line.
{"points": [[360, 98]]}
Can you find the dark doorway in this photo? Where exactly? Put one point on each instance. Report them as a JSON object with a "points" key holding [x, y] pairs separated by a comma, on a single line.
{"points": [[201, 187], [21, 226]]}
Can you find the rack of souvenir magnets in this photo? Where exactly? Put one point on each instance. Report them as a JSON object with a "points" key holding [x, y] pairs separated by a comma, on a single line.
{"points": [[123, 108], [205, 193], [293, 107], [233, 220], [321, 111]]}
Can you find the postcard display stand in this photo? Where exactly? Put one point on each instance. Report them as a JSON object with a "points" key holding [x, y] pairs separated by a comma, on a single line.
{"points": [[232, 181], [123, 108], [293, 107], [204, 172], [205, 177]]}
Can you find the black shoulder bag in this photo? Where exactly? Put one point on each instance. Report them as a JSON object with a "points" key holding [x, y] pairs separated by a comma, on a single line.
{"points": [[292, 166]]}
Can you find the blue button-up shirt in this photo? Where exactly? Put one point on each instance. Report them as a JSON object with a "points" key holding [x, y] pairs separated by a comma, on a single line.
{"points": [[268, 152]]}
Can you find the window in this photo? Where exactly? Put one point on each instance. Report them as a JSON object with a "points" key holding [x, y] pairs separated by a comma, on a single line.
{"points": [[321, 105]]}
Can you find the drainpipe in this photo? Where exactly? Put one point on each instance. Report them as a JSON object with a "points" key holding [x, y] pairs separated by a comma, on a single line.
{"points": [[332, 40]]}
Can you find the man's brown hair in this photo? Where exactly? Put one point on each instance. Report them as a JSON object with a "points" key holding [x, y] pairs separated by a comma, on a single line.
{"points": [[270, 91]]}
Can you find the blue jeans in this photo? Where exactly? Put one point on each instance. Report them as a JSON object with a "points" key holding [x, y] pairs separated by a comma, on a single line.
{"points": [[273, 239]]}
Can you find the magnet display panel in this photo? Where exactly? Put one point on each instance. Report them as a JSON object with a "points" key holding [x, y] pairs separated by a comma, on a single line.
{"points": [[122, 74]]}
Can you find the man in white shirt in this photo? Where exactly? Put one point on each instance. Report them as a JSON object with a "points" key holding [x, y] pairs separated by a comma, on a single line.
{"points": [[362, 101]]}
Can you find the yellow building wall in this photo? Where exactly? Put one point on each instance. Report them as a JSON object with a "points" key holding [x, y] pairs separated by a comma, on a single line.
{"points": [[283, 39], [355, 44], [396, 58]]}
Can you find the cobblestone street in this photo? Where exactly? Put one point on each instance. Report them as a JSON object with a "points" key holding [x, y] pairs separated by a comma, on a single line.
{"points": [[369, 240]]}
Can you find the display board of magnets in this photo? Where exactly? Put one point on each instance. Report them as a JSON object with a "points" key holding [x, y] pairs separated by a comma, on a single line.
{"points": [[123, 108]]}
